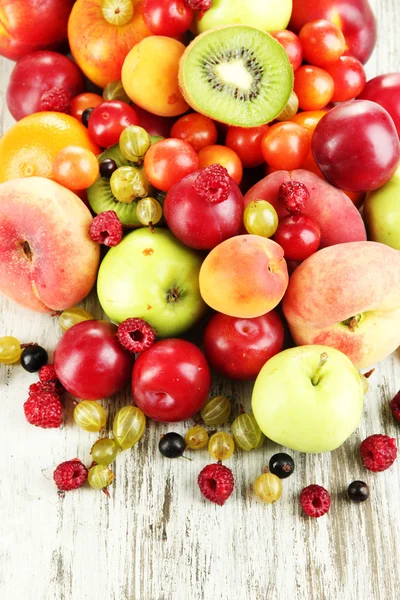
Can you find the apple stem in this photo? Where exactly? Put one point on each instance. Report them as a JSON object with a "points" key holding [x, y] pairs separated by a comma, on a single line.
{"points": [[368, 374], [317, 375]]}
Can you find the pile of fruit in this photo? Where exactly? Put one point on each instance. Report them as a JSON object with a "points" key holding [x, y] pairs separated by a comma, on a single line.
{"points": [[204, 163]]}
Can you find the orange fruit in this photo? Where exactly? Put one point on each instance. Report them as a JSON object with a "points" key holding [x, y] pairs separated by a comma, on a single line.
{"points": [[31, 145]]}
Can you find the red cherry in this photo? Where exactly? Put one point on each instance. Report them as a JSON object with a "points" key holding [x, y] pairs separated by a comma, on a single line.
{"points": [[90, 362], [171, 380], [299, 236], [239, 348]]}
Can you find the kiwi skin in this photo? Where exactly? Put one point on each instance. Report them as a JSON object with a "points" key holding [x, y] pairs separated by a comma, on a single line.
{"points": [[101, 198], [195, 106]]}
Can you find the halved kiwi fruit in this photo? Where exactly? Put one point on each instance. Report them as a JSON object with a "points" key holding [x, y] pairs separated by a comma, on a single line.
{"points": [[238, 75], [101, 198]]}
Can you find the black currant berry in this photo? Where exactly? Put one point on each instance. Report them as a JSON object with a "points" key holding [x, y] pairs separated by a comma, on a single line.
{"points": [[107, 167], [85, 116], [172, 445], [33, 358], [281, 465], [358, 491]]}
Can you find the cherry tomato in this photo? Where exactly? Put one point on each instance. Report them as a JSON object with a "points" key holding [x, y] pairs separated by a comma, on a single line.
{"points": [[108, 120], [292, 45], [323, 42], [198, 130], [82, 102], [167, 17], [349, 78], [309, 119], [246, 142], [75, 168], [285, 146], [169, 161], [314, 87], [211, 155], [299, 236]]}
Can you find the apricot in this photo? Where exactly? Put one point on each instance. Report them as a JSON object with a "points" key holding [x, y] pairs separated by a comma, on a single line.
{"points": [[150, 76], [245, 276]]}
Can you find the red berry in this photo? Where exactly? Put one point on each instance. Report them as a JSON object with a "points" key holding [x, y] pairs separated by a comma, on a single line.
{"points": [[54, 387], [106, 229], [213, 183], [294, 196], [57, 99], [201, 5], [135, 335], [47, 373], [216, 483], [70, 475], [378, 452], [44, 409], [315, 501], [395, 407]]}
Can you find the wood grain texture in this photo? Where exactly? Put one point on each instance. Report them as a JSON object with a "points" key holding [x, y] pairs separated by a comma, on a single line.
{"points": [[155, 538]]}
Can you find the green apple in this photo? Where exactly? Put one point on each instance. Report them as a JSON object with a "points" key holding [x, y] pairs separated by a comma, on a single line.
{"points": [[270, 15], [308, 398], [154, 277], [382, 213]]}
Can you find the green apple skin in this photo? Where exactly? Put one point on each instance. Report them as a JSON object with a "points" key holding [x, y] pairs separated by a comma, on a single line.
{"points": [[382, 213], [136, 279], [294, 412], [269, 15]]}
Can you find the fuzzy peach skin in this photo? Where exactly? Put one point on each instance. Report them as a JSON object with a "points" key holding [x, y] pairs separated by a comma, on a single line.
{"points": [[338, 218], [347, 297], [47, 260], [245, 276]]}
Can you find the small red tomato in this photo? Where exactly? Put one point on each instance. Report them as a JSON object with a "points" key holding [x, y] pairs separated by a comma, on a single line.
{"points": [[323, 42], [314, 87], [212, 155], [75, 168], [198, 130], [171, 380], [292, 45], [349, 78], [246, 142], [83, 101], [299, 236], [239, 348], [108, 120], [169, 161], [167, 17], [285, 146]]}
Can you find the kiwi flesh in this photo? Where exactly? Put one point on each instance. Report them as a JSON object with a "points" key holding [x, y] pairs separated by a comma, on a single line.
{"points": [[101, 198], [237, 75]]}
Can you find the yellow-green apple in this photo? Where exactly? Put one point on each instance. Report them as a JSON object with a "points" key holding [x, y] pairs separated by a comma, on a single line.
{"points": [[28, 25], [348, 297], [309, 399], [335, 214], [154, 277], [382, 213], [244, 276], [354, 17], [47, 260], [100, 36], [270, 15]]}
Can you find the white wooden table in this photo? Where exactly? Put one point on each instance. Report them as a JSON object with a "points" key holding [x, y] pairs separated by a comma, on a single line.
{"points": [[156, 538]]}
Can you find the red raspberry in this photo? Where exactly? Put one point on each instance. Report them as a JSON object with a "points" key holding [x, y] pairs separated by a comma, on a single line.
{"points": [[44, 409], [201, 5], [216, 483], [315, 501], [213, 183], [70, 475], [135, 335], [54, 387], [57, 99], [106, 229], [378, 452], [395, 407], [294, 196]]}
